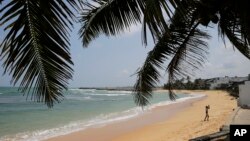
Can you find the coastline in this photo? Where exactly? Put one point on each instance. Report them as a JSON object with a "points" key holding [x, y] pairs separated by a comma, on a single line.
{"points": [[188, 123], [138, 128]]}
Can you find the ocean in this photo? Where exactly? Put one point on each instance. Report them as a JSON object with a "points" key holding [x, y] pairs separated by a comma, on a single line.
{"points": [[22, 119]]}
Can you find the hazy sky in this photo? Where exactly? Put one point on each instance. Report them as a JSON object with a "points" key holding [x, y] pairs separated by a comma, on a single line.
{"points": [[111, 61]]}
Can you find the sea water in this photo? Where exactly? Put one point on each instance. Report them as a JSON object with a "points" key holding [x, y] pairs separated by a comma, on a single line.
{"points": [[22, 119]]}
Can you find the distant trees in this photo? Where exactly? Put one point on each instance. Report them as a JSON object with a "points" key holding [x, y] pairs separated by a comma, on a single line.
{"points": [[203, 84], [233, 88], [197, 84]]}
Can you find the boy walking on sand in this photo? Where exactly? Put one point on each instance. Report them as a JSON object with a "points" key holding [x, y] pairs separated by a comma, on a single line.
{"points": [[207, 115]]}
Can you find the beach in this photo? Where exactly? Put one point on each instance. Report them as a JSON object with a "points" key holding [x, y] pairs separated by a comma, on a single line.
{"points": [[179, 121], [81, 110]]}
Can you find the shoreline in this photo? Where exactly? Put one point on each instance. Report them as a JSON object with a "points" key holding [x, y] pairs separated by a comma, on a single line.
{"points": [[189, 123], [118, 128], [177, 121]]}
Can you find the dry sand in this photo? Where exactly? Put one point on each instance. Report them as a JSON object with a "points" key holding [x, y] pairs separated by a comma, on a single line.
{"points": [[181, 122]]}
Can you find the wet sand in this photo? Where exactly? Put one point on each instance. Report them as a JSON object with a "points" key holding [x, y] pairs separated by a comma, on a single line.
{"points": [[179, 121]]}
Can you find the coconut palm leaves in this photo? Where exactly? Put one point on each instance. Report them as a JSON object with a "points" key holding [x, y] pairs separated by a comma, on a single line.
{"points": [[176, 29], [187, 49], [36, 47], [110, 17], [235, 25]]}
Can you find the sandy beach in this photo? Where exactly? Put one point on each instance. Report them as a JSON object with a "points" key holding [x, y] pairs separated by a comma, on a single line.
{"points": [[175, 122]]}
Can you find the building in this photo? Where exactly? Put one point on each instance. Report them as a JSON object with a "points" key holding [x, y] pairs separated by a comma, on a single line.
{"points": [[219, 82], [244, 95]]}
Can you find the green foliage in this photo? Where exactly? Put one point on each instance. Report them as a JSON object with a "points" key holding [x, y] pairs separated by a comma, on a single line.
{"points": [[197, 84], [233, 89]]}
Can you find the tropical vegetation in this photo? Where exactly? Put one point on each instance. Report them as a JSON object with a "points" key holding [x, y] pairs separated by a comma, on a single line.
{"points": [[35, 49], [182, 84]]}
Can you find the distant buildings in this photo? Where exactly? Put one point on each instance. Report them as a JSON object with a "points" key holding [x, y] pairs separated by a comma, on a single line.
{"points": [[223, 82]]}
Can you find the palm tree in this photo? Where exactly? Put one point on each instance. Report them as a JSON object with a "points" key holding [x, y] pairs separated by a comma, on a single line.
{"points": [[35, 49], [177, 27], [37, 39]]}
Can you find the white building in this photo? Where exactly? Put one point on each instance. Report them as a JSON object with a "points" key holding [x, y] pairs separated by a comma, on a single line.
{"points": [[244, 95]]}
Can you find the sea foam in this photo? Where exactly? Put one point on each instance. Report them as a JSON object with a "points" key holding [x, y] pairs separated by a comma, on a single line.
{"points": [[97, 121], [108, 94]]}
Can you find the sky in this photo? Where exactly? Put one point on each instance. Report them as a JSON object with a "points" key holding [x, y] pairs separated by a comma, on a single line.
{"points": [[113, 61]]}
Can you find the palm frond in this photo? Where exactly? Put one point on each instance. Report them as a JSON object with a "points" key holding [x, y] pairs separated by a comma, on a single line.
{"points": [[154, 18], [183, 42], [158, 12], [148, 75], [189, 56], [189, 52], [110, 17], [241, 9], [235, 25], [36, 47]]}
